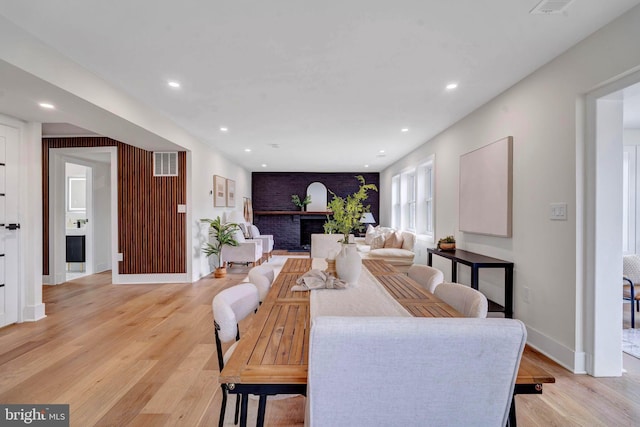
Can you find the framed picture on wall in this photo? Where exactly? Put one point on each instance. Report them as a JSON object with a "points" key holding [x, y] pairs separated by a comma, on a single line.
{"points": [[219, 191], [231, 193]]}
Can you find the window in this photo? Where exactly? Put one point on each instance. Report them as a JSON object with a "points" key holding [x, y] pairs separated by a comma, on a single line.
{"points": [[413, 200], [395, 202], [425, 208], [409, 207]]}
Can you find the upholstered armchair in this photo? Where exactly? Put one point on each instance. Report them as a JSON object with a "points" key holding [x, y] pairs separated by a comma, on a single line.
{"points": [[267, 240], [247, 252]]}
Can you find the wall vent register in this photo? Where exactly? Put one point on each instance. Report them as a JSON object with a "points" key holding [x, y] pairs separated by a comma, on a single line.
{"points": [[165, 163]]}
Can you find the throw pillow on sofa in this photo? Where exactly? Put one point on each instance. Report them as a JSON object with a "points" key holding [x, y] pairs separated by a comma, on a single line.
{"points": [[377, 242], [394, 240]]}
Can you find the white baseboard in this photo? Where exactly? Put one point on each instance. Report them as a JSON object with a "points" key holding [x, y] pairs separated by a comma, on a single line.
{"points": [[134, 279], [33, 313], [558, 352], [46, 280]]}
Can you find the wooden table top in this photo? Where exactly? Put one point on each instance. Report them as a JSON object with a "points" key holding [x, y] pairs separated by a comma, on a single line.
{"points": [[274, 350]]}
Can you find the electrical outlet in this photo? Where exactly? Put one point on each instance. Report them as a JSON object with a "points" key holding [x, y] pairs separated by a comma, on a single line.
{"points": [[526, 294]]}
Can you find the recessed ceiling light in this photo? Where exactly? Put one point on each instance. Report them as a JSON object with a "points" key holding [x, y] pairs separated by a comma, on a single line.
{"points": [[223, 129], [451, 86], [404, 130], [174, 84], [381, 151], [247, 150], [264, 165], [366, 166], [47, 105]]}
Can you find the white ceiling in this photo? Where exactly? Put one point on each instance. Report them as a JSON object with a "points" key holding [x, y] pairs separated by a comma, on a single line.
{"points": [[329, 83]]}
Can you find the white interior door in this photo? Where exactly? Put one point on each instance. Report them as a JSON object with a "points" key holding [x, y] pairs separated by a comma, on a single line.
{"points": [[9, 226]]}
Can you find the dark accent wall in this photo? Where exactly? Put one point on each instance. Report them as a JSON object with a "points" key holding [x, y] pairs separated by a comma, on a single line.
{"points": [[271, 191], [151, 234]]}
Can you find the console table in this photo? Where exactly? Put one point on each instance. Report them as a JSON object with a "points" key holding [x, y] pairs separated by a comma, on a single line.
{"points": [[476, 262]]}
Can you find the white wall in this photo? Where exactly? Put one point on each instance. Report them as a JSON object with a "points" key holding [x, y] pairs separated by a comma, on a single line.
{"points": [[205, 164], [112, 113], [543, 114]]}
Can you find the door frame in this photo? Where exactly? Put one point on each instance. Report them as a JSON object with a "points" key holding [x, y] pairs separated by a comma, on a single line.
{"points": [[599, 308], [57, 187]]}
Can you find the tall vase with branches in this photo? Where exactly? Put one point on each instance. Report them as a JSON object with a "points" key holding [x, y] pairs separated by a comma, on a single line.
{"points": [[344, 219], [347, 211], [221, 234]]}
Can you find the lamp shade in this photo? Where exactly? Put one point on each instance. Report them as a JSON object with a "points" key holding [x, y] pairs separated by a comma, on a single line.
{"points": [[367, 218]]}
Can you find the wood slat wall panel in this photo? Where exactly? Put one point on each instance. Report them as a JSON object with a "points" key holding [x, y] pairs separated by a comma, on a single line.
{"points": [[152, 234]]}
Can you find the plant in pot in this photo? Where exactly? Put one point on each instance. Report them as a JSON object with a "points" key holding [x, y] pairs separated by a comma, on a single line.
{"points": [[447, 243], [221, 234], [346, 213], [302, 204]]}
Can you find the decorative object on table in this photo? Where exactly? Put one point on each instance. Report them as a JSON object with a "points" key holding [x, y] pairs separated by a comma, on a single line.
{"points": [[231, 193], [300, 203], [219, 191], [346, 214], [349, 263], [318, 279], [222, 234], [447, 243]]}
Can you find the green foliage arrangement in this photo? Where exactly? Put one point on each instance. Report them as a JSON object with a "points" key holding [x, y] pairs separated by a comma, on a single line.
{"points": [[300, 203], [222, 234], [348, 211]]}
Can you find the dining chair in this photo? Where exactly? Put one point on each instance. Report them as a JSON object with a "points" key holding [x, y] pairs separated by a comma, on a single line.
{"points": [[412, 371], [229, 307], [631, 278], [262, 276], [466, 300], [428, 277]]}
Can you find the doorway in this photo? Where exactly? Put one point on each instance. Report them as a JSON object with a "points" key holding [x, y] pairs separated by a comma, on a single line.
{"points": [[603, 225], [83, 206]]}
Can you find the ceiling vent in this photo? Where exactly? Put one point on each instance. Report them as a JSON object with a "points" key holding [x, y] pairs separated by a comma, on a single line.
{"points": [[165, 163], [551, 7]]}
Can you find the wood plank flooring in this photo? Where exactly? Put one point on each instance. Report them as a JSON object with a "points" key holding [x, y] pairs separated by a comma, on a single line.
{"points": [[144, 355]]}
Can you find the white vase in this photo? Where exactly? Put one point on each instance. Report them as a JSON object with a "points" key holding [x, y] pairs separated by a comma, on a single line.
{"points": [[348, 263]]}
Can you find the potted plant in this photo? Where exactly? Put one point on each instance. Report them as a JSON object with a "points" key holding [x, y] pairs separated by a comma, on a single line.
{"points": [[301, 203], [345, 217], [447, 243], [222, 234], [347, 212]]}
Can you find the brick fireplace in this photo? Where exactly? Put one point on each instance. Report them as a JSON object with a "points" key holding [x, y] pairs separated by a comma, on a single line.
{"points": [[274, 213]]}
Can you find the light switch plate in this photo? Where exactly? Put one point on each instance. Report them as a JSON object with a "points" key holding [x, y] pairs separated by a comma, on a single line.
{"points": [[558, 212], [182, 208]]}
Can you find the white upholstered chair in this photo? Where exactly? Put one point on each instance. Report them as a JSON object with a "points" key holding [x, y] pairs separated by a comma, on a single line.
{"points": [[262, 277], [412, 371], [247, 252], [266, 239], [326, 245], [428, 277], [230, 306], [466, 300]]}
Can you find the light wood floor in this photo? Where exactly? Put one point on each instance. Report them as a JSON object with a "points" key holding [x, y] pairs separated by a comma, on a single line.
{"points": [[144, 355]]}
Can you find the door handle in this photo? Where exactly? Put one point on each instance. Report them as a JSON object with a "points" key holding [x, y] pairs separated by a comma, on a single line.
{"points": [[12, 226]]}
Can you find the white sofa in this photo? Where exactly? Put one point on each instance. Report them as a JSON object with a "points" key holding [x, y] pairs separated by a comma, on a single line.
{"points": [[397, 251]]}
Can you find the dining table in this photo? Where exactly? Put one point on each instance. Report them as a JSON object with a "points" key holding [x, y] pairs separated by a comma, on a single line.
{"points": [[271, 358]]}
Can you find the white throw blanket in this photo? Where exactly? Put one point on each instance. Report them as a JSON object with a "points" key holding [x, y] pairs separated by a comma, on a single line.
{"points": [[318, 279]]}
